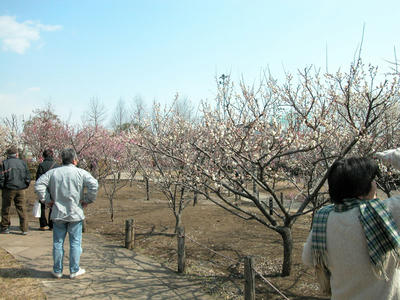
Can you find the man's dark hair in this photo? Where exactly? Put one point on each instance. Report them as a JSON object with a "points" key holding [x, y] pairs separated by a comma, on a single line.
{"points": [[47, 153], [351, 178], [12, 150], [68, 156]]}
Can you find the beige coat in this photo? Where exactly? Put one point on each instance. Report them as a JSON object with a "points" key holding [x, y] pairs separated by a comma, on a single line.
{"points": [[348, 260]]}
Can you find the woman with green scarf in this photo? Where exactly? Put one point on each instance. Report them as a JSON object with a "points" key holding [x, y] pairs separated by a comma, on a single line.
{"points": [[354, 242]]}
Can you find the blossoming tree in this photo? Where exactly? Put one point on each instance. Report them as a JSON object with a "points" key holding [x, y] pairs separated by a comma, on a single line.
{"points": [[44, 130], [164, 144], [284, 137], [105, 155]]}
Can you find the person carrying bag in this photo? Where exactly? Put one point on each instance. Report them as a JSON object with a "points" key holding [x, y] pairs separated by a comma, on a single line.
{"points": [[47, 164]]}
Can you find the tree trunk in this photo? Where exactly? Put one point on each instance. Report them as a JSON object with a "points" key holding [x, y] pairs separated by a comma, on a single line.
{"points": [[195, 194], [112, 209], [146, 180], [181, 250], [178, 222], [255, 190], [237, 199], [286, 234]]}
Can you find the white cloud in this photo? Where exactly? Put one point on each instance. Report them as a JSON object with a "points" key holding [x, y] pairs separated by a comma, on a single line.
{"points": [[34, 89], [17, 37], [49, 27], [14, 104], [23, 103]]}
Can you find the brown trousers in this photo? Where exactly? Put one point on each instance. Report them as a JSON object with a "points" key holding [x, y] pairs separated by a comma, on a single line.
{"points": [[20, 204]]}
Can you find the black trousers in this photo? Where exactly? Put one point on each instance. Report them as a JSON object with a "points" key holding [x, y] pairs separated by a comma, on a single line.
{"points": [[42, 220]]}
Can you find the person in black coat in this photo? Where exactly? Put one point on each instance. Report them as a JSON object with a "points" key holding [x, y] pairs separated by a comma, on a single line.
{"points": [[14, 179], [47, 164]]}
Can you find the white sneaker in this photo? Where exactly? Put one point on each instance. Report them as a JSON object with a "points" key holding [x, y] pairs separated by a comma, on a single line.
{"points": [[56, 275], [76, 274]]}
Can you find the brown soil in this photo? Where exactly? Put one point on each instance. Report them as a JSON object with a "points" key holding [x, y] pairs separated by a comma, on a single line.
{"points": [[215, 242], [16, 282]]}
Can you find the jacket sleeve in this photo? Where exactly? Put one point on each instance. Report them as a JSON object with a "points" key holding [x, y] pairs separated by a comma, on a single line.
{"points": [[391, 157], [2, 176], [27, 175], [41, 187], [91, 185], [307, 253]]}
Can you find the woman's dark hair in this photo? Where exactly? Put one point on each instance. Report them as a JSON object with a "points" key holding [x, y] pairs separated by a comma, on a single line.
{"points": [[12, 150], [351, 178], [68, 156], [47, 153]]}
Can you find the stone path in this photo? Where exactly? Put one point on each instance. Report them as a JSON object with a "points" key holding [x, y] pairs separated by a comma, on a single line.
{"points": [[112, 271]]}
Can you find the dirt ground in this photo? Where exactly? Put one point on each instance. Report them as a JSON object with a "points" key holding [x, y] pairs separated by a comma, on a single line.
{"points": [[216, 242], [15, 282]]}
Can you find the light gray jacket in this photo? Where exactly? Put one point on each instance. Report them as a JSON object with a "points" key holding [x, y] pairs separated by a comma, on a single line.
{"points": [[65, 186]]}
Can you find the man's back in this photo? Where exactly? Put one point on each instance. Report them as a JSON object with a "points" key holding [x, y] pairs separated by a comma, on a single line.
{"points": [[66, 186], [15, 174], [14, 179], [63, 188]]}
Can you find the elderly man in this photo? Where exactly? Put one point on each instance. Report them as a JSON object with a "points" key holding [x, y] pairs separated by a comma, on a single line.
{"points": [[63, 189], [14, 179]]}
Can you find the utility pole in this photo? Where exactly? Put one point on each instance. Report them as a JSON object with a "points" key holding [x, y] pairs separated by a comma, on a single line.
{"points": [[223, 80]]}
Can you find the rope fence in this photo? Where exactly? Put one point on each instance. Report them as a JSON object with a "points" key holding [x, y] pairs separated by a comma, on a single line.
{"points": [[270, 283], [211, 250], [249, 273], [239, 262]]}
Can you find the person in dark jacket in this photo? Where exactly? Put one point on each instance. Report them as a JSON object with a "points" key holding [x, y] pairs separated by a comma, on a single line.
{"points": [[47, 164], [14, 179]]}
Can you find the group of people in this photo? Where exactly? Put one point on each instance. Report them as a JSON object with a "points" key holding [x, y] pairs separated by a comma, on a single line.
{"points": [[65, 189], [354, 244]]}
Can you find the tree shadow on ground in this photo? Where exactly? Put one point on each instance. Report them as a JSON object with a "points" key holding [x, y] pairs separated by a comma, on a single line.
{"points": [[24, 273], [152, 232]]}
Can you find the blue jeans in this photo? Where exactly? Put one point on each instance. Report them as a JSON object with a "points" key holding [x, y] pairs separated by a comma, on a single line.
{"points": [[60, 230]]}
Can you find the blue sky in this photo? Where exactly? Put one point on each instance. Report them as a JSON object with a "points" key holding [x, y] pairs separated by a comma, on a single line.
{"points": [[67, 52]]}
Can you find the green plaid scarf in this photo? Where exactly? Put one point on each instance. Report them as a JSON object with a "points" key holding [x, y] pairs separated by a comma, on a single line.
{"points": [[379, 227]]}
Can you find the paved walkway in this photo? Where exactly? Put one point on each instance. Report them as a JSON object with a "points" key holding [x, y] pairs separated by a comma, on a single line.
{"points": [[112, 271]]}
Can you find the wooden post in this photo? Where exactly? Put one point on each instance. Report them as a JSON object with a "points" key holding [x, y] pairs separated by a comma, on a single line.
{"points": [[281, 198], [271, 206], [129, 234], [249, 277], [181, 250]]}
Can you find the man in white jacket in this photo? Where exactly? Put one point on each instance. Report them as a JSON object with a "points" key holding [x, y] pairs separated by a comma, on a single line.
{"points": [[63, 189]]}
